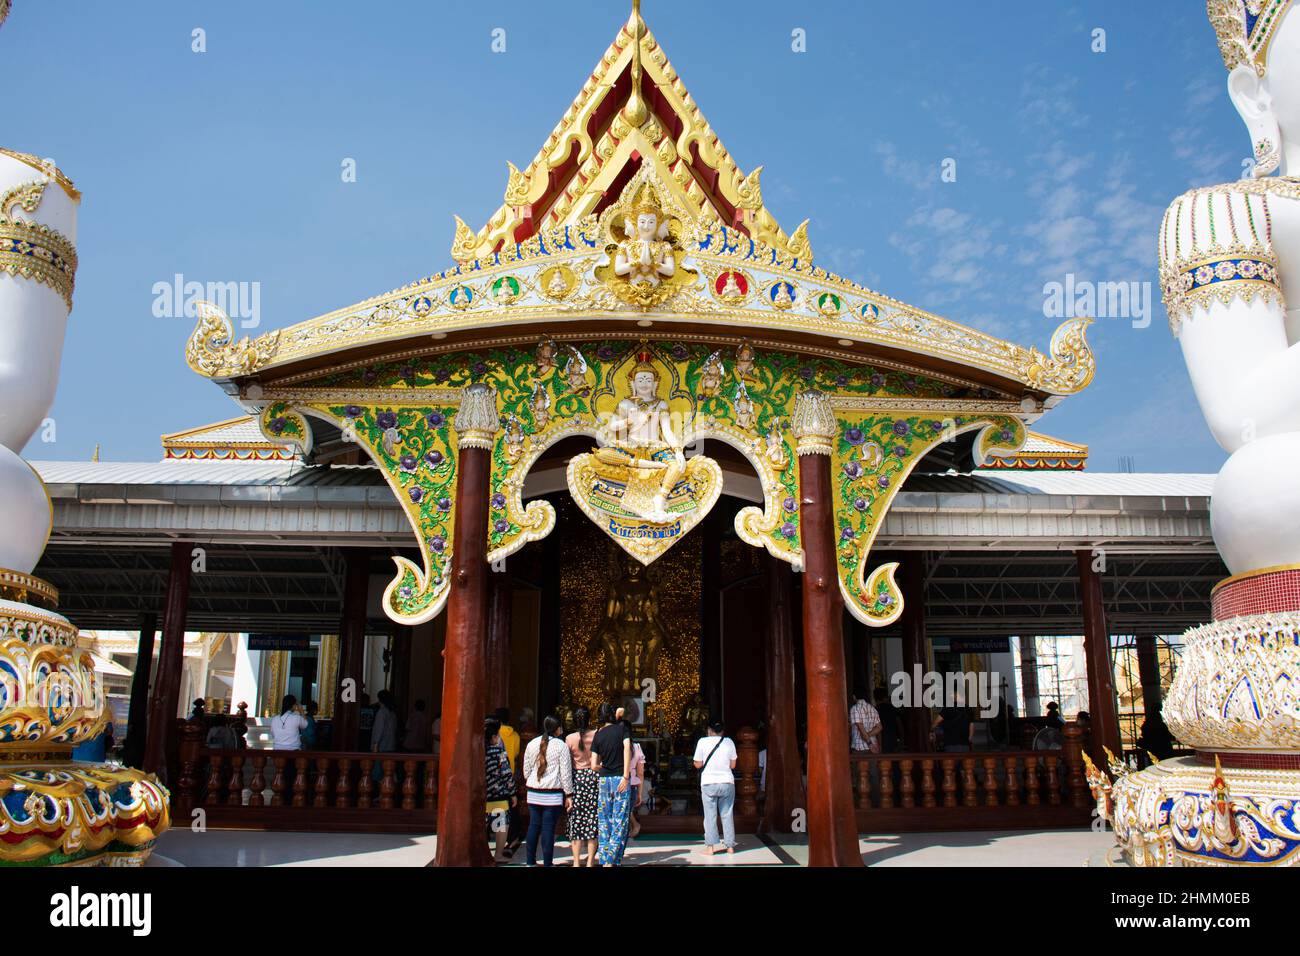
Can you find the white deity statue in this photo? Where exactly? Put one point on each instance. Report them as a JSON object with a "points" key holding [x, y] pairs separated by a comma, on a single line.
{"points": [[646, 256], [38, 226], [1230, 261], [642, 440]]}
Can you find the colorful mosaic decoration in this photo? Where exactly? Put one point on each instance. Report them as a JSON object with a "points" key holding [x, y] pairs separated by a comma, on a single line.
{"points": [[54, 811], [77, 814], [410, 438], [633, 217], [1183, 813], [872, 455], [400, 412]]}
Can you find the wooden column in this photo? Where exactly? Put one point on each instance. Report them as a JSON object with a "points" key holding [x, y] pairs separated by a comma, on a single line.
{"points": [[916, 720], [1096, 648], [785, 792], [166, 688], [461, 785], [501, 596], [352, 649], [1149, 673], [137, 722], [832, 827]]}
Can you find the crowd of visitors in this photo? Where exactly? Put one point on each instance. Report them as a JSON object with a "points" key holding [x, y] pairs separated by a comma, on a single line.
{"points": [[595, 776]]}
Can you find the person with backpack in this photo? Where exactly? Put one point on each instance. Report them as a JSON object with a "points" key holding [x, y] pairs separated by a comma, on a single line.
{"points": [[715, 758], [499, 786]]}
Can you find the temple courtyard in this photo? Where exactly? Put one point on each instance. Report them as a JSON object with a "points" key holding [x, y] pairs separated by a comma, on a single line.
{"points": [[992, 848]]}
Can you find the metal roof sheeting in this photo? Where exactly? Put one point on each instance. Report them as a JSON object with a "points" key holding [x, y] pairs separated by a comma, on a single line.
{"points": [[258, 503]]}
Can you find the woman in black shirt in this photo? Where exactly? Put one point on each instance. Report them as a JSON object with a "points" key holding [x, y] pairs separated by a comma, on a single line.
{"points": [[612, 755]]}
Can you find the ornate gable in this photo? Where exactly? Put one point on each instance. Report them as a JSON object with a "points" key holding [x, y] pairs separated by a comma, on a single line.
{"points": [[633, 112]]}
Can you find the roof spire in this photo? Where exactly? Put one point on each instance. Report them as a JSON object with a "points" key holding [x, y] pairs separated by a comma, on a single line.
{"points": [[635, 111]]}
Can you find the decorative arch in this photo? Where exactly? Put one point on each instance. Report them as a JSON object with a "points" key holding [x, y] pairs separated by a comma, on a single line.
{"points": [[400, 411]]}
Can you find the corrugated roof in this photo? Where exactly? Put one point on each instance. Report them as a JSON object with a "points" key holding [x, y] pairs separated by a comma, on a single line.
{"points": [[204, 473], [297, 474], [1097, 483]]}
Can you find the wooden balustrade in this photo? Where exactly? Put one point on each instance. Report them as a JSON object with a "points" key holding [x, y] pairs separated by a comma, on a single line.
{"points": [[969, 790], [309, 790]]}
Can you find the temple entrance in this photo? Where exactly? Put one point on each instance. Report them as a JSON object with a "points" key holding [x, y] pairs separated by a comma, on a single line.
{"points": [[676, 642]]}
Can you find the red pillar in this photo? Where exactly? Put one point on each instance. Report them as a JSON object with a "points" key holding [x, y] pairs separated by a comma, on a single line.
{"points": [[1096, 648], [501, 595], [832, 827], [916, 719], [352, 649], [785, 792], [167, 686], [461, 783]]}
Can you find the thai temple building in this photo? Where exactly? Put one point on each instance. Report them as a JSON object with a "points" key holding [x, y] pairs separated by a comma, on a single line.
{"points": [[635, 444]]}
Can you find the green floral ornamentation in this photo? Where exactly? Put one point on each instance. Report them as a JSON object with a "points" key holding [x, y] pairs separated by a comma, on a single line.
{"points": [[413, 447], [741, 395], [280, 422], [873, 455]]}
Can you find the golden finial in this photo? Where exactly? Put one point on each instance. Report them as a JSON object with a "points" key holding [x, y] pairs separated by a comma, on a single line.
{"points": [[465, 243], [95, 456], [635, 112]]}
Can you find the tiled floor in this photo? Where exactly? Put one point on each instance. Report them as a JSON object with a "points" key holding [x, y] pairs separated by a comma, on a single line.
{"points": [[971, 848]]}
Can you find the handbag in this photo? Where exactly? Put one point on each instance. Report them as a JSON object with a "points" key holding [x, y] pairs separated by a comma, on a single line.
{"points": [[711, 753]]}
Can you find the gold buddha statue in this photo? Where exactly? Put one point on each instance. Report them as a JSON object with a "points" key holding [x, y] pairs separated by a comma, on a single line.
{"points": [[631, 635], [695, 717]]}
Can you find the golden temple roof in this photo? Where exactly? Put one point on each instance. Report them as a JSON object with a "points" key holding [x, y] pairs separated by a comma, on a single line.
{"points": [[633, 110], [542, 260]]}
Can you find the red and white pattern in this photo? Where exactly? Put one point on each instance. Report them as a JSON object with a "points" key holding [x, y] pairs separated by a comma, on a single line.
{"points": [[1265, 592]]}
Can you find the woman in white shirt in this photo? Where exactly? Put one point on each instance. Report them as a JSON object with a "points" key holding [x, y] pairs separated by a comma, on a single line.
{"points": [[548, 775], [287, 726], [715, 758]]}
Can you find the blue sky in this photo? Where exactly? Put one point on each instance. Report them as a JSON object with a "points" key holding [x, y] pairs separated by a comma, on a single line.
{"points": [[225, 165]]}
